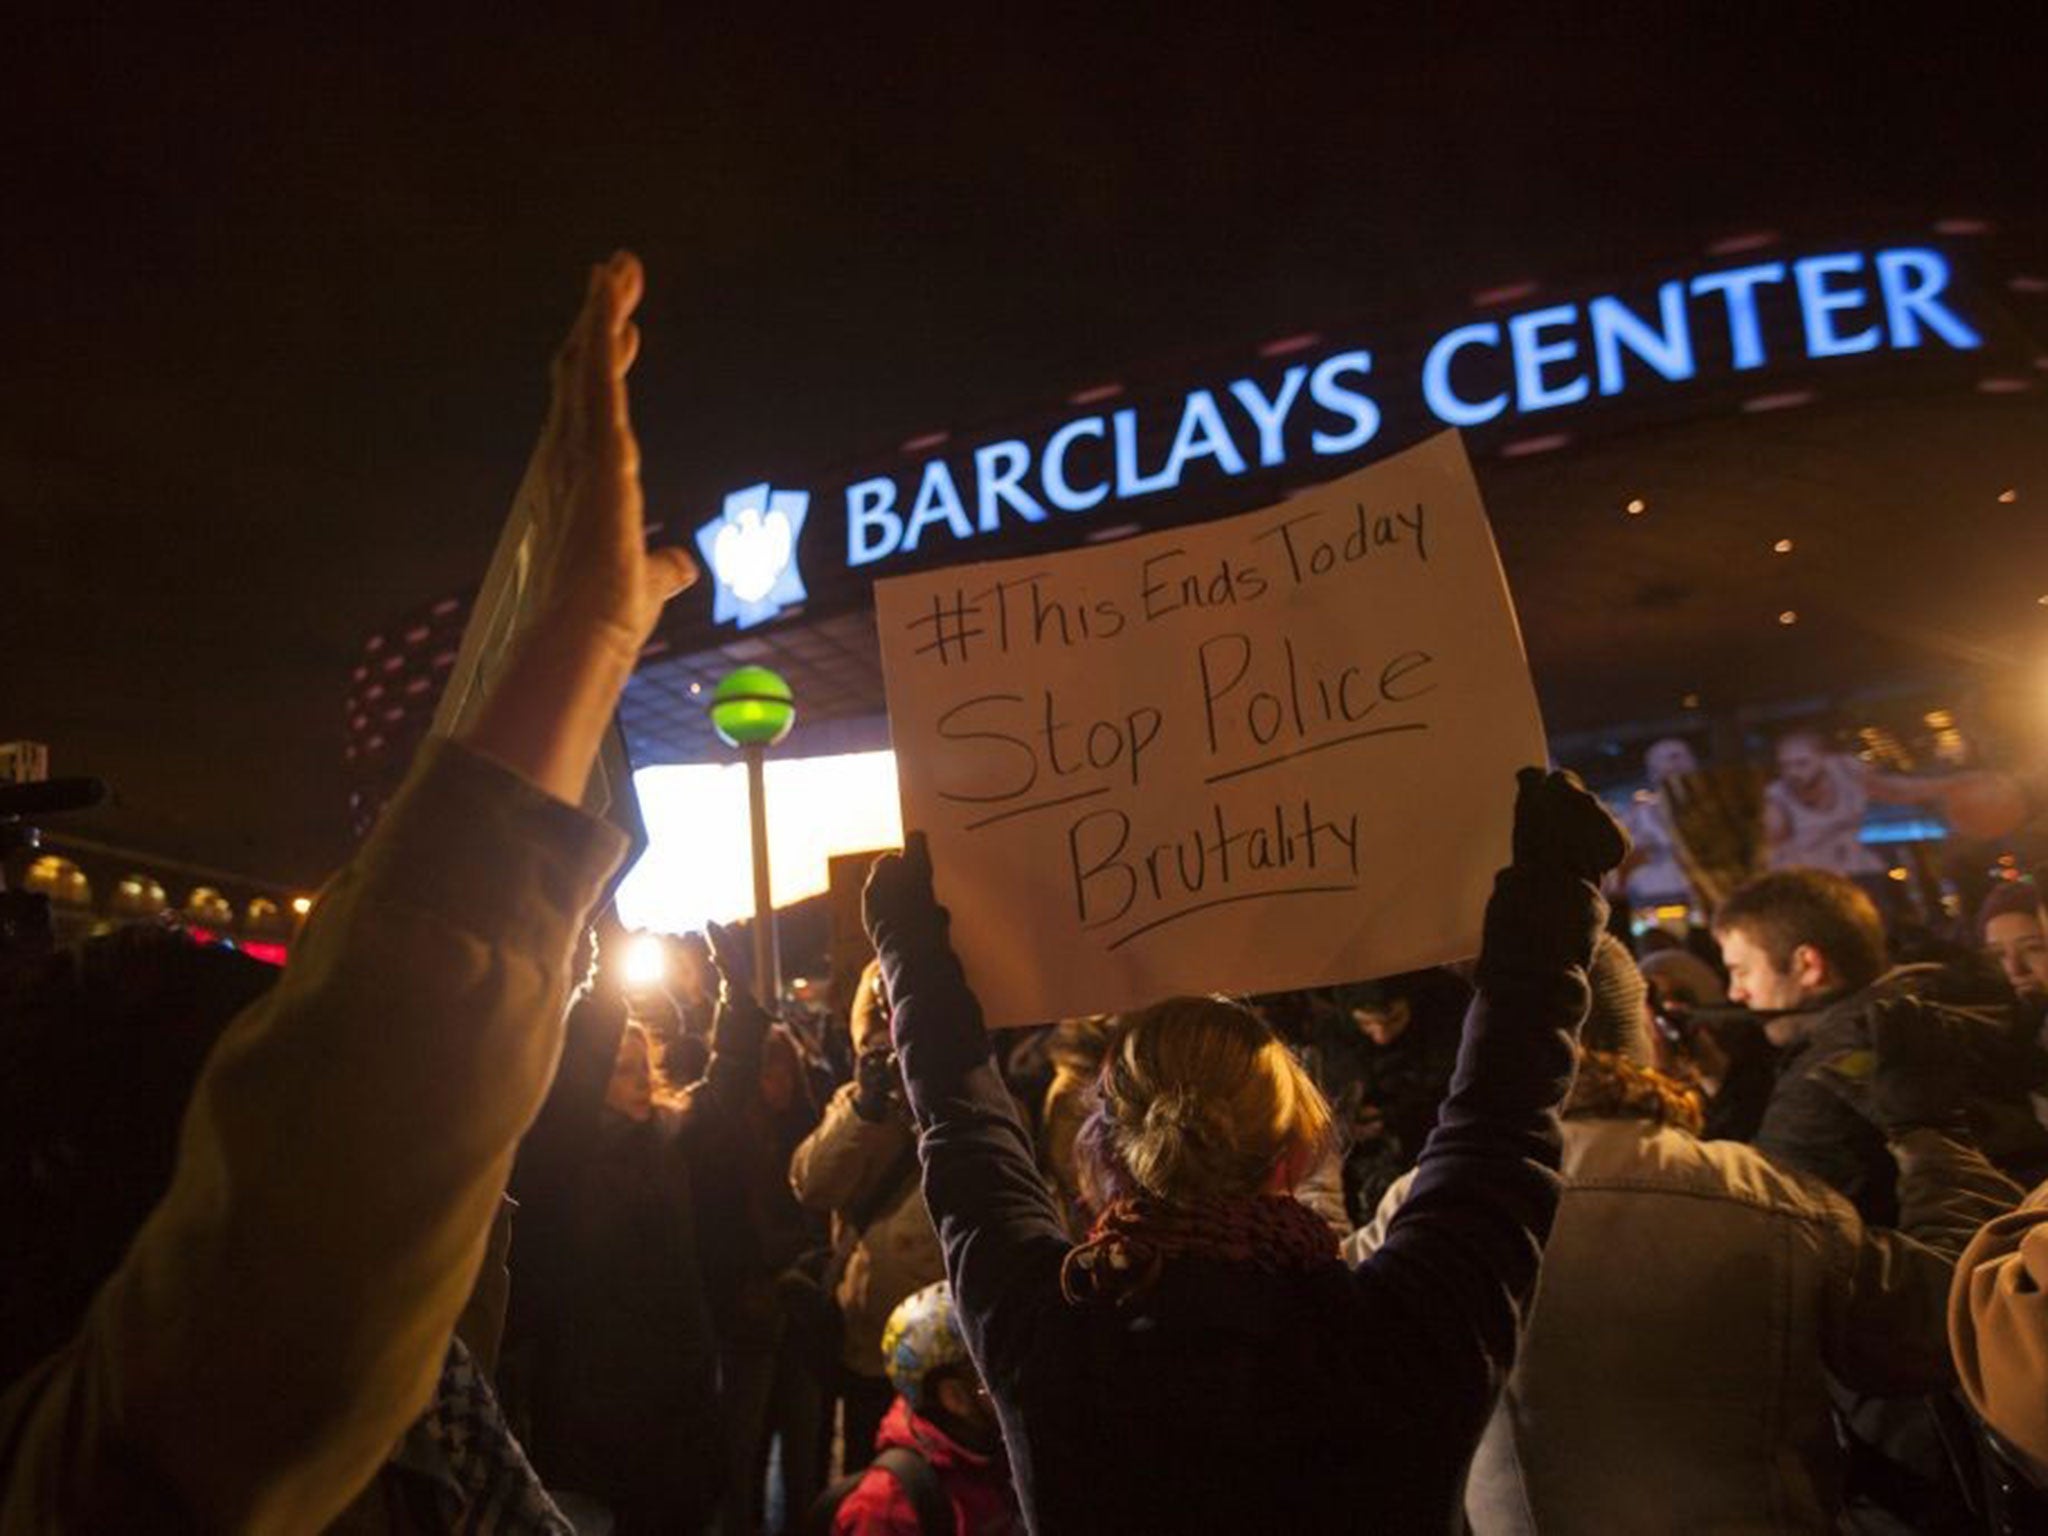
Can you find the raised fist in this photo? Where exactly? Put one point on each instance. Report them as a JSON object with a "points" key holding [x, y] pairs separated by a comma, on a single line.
{"points": [[731, 958], [898, 905], [1560, 825]]}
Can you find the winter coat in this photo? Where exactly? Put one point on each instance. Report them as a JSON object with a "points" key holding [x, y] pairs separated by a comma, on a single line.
{"points": [[644, 1250], [975, 1483], [1230, 1397], [284, 1313], [840, 1165], [1694, 1298], [749, 1229], [1998, 1328], [1808, 1126]]}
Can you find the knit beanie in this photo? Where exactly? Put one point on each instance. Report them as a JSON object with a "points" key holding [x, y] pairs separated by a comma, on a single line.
{"points": [[1620, 1018]]}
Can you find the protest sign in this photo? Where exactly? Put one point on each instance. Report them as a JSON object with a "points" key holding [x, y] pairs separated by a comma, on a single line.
{"points": [[1272, 751]]}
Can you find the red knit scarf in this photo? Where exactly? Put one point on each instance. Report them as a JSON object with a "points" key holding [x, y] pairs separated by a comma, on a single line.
{"points": [[1134, 1238]]}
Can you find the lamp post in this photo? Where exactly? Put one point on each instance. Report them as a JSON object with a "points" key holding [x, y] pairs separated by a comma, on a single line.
{"points": [[753, 709]]}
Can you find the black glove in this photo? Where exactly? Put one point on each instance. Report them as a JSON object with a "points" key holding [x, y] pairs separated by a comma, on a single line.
{"points": [[878, 1082], [732, 959], [1560, 825], [1914, 1072], [898, 907], [1545, 912]]}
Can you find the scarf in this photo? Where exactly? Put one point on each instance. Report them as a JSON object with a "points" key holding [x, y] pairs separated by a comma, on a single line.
{"points": [[487, 1487], [1135, 1237]]}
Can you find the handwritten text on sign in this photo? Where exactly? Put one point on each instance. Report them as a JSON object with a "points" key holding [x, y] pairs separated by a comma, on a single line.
{"points": [[1272, 751]]}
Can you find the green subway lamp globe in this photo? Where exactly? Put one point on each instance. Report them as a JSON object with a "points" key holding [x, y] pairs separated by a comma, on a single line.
{"points": [[752, 707]]}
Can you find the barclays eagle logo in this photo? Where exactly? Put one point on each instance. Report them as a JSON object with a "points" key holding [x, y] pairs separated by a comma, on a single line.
{"points": [[751, 550]]}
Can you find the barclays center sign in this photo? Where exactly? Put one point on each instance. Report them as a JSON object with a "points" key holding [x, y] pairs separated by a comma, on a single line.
{"points": [[1549, 358]]}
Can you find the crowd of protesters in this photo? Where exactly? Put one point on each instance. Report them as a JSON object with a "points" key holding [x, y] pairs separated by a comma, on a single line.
{"points": [[445, 1228]]}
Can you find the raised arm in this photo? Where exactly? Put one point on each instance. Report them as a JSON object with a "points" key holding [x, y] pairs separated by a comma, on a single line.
{"points": [[1460, 1257], [997, 1222], [283, 1313], [739, 1032]]}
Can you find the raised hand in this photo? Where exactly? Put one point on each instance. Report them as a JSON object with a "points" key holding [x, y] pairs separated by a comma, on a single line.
{"points": [[1560, 825], [1545, 912], [591, 566], [732, 958], [897, 904], [594, 588]]}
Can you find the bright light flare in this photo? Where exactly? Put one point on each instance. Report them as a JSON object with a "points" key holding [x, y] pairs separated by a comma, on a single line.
{"points": [[646, 963], [699, 860]]}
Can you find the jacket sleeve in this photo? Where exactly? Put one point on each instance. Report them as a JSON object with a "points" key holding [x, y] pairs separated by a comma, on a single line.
{"points": [[877, 1506], [997, 1222], [1367, 1240], [841, 1160], [1886, 1335], [1459, 1259], [1998, 1326], [739, 1035], [284, 1311]]}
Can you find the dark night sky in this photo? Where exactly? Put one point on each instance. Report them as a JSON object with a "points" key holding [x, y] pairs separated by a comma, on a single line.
{"points": [[279, 294]]}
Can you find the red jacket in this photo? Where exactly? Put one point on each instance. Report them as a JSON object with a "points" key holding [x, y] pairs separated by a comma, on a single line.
{"points": [[976, 1484]]}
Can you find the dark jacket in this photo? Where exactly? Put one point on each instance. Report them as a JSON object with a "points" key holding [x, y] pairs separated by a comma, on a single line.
{"points": [[1806, 1125], [631, 1235], [749, 1227], [1228, 1398]]}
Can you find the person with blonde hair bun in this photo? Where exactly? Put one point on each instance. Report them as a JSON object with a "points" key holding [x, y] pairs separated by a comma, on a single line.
{"points": [[1203, 1360], [1199, 1101]]}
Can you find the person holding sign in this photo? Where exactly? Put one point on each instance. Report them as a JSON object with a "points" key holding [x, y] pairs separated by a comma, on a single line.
{"points": [[1204, 1361], [283, 1313]]}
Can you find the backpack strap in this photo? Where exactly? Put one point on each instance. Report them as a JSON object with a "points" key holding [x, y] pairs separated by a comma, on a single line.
{"points": [[920, 1485]]}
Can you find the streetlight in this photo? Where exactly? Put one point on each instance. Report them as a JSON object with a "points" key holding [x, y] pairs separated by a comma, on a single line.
{"points": [[753, 709]]}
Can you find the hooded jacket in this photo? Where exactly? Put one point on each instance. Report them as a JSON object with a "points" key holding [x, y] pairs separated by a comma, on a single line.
{"points": [[839, 1166], [1998, 1328], [975, 1483]]}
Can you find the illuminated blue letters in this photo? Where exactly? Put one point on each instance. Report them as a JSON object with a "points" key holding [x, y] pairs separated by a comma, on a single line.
{"points": [[1359, 410], [871, 508], [1847, 302], [1912, 281], [1668, 349], [998, 470], [1738, 291], [1202, 432], [938, 501], [1818, 304], [1129, 482], [1443, 401], [1052, 473], [1532, 353], [1270, 416]]}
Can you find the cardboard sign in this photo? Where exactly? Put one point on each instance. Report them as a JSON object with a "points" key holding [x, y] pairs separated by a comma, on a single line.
{"points": [[1272, 751]]}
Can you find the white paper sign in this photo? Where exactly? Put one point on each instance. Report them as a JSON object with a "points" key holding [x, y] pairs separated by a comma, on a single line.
{"points": [[1268, 752]]}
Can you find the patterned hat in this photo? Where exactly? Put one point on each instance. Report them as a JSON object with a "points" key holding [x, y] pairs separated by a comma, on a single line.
{"points": [[922, 1335]]}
